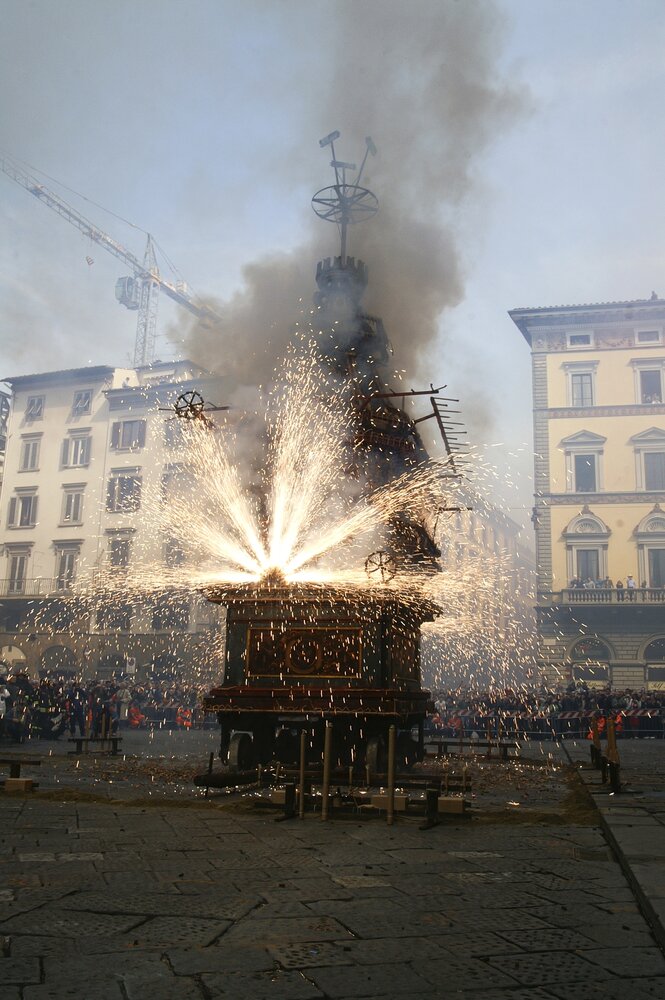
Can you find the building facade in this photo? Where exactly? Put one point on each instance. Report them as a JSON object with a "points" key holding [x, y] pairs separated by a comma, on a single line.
{"points": [[83, 447], [599, 441]]}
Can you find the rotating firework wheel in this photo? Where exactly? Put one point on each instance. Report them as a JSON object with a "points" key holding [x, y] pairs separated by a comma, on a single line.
{"points": [[189, 405], [380, 565], [345, 204]]}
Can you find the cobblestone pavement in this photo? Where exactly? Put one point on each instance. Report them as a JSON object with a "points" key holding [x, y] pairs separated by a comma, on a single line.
{"points": [[634, 820], [101, 901]]}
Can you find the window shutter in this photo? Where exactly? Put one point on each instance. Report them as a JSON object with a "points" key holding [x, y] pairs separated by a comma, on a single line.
{"points": [[65, 452], [86, 451], [11, 518], [33, 510], [141, 434], [110, 495], [115, 434]]}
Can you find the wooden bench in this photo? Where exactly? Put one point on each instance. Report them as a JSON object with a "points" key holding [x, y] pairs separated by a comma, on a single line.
{"points": [[443, 743], [15, 782], [81, 741]]}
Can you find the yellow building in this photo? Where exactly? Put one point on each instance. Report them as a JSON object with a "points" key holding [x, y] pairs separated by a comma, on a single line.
{"points": [[599, 441]]}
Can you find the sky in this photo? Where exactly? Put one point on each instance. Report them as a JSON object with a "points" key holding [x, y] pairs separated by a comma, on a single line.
{"points": [[520, 151]]}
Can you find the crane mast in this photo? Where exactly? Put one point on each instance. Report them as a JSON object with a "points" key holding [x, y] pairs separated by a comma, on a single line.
{"points": [[140, 293]]}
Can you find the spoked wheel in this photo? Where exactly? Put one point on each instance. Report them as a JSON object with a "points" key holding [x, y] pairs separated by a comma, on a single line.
{"points": [[241, 752], [375, 755], [189, 405]]}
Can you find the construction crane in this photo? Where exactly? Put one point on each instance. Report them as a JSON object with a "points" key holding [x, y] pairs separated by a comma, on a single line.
{"points": [[140, 291]]}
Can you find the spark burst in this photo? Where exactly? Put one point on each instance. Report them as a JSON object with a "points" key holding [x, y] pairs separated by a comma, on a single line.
{"points": [[302, 523], [299, 520]]}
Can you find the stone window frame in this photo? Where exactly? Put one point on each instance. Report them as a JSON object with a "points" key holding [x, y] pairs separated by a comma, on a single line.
{"points": [[19, 550], [580, 333], [646, 328], [586, 531], [72, 489], [14, 508], [34, 407], [63, 548], [650, 440], [649, 534], [647, 364], [584, 443], [81, 436], [26, 441], [571, 368], [82, 402]]}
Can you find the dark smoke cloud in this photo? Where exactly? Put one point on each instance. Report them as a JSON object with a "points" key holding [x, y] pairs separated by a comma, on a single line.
{"points": [[422, 79]]}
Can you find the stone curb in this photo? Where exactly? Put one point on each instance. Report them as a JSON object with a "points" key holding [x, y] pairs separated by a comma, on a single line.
{"points": [[641, 894]]}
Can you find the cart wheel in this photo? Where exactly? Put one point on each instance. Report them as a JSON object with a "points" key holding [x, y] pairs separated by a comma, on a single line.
{"points": [[241, 752], [375, 756]]}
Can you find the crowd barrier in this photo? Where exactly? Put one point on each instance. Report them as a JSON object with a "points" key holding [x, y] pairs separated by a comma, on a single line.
{"points": [[629, 724]]}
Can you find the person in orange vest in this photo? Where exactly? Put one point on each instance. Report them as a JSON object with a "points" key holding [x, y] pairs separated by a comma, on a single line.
{"points": [[183, 719], [135, 717], [618, 724], [600, 720]]}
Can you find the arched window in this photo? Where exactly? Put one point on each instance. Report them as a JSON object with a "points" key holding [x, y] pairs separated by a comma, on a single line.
{"points": [[587, 538], [655, 651], [590, 648], [650, 535], [59, 661]]}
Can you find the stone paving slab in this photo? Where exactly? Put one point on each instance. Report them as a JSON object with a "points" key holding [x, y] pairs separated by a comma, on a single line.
{"points": [[67, 925], [618, 989], [279, 983], [17, 971], [294, 929], [640, 961], [543, 968], [371, 981], [165, 931], [108, 990], [221, 957], [383, 951], [160, 985]]}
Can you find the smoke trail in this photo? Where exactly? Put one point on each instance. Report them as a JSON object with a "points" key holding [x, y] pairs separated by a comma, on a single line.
{"points": [[423, 79]]}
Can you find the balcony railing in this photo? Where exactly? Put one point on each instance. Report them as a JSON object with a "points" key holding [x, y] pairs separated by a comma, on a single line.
{"points": [[36, 587], [606, 595]]}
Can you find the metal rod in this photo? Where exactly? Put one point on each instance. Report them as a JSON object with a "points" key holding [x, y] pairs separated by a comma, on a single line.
{"points": [[325, 790], [301, 780], [210, 762], [392, 736]]}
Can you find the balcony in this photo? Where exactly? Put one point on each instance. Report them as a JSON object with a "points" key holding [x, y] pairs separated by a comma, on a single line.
{"points": [[36, 587], [602, 595]]}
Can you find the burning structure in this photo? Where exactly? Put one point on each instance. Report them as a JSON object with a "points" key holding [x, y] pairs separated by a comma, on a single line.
{"points": [[307, 643]]}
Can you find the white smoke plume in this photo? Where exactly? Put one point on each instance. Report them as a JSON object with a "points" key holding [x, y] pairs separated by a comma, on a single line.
{"points": [[423, 80]]}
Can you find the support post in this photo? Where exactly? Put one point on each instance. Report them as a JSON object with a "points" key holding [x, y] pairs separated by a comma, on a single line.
{"points": [[392, 739], [595, 744], [212, 757], [301, 777], [325, 791], [431, 808], [613, 763], [289, 800]]}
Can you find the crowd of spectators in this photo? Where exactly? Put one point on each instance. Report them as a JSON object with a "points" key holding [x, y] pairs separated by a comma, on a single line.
{"points": [[100, 706], [543, 712]]}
